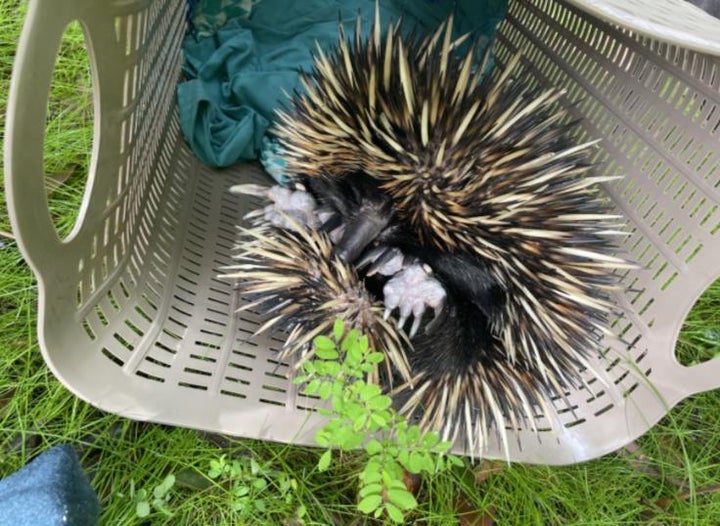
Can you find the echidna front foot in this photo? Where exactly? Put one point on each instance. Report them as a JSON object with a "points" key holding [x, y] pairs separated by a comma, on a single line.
{"points": [[290, 209], [412, 291]]}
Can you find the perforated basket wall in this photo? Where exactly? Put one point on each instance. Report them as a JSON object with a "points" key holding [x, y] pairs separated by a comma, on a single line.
{"points": [[134, 320]]}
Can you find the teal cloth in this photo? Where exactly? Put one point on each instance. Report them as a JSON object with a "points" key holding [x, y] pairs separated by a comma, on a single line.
{"points": [[238, 77], [207, 16]]}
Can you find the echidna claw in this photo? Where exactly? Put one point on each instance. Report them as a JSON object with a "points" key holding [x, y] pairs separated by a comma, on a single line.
{"points": [[386, 314], [337, 234], [384, 260], [401, 321], [331, 223], [370, 257], [389, 263], [256, 190], [415, 327], [437, 311]]}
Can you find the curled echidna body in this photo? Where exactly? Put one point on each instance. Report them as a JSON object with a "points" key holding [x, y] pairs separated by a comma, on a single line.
{"points": [[418, 162]]}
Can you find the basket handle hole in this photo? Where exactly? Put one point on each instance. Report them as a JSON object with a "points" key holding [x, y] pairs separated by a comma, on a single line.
{"points": [[699, 339], [68, 143]]}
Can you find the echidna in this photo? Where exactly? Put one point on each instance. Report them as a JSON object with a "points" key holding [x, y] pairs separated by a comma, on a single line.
{"points": [[418, 161]]}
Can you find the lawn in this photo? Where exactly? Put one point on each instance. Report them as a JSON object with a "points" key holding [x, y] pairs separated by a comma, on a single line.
{"points": [[180, 476]]}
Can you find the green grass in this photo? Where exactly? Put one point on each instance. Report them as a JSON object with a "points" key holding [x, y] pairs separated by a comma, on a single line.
{"points": [[670, 478]]}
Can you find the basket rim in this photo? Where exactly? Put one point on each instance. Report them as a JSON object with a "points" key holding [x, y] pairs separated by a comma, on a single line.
{"points": [[681, 28]]}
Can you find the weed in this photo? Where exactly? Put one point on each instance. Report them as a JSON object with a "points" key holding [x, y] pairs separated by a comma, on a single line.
{"points": [[256, 490], [158, 499], [362, 415]]}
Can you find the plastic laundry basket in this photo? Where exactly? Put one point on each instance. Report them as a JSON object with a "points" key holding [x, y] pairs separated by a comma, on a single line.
{"points": [[133, 319]]}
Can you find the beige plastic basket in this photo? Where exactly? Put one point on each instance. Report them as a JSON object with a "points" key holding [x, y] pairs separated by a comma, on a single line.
{"points": [[133, 319]]}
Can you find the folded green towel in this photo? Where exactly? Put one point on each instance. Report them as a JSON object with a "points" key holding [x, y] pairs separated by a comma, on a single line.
{"points": [[240, 75]]}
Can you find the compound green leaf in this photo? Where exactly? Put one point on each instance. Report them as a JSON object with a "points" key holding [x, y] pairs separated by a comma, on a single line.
{"points": [[324, 461], [402, 498], [338, 330], [370, 489], [370, 503], [394, 512]]}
